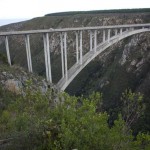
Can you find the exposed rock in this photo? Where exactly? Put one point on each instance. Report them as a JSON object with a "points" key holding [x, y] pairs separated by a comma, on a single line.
{"points": [[4, 73], [103, 83], [13, 86], [132, 65], [133, 62], [15, 80], [44, 87], [125, 54], [127, 50], [140, 63]]}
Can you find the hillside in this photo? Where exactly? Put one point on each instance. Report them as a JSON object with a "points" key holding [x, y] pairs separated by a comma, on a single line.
{"points": [[95, 12], [124, 65]]}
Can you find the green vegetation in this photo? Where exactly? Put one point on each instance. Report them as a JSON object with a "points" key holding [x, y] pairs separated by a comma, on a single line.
{"points": [[3, 58], [92, 12], [34, 121]]}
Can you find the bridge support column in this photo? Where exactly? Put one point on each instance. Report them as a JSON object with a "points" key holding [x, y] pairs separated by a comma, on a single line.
{"points": [[62, 55], [104, 35], [47, 57], [95, 40], [63, 45], [108, 35], [121, 31], [65, 52], [7, 50], [131, 28], [28, 51], [91, 40], [116, 32], [127, 29], [81, 48], [77, 48]]}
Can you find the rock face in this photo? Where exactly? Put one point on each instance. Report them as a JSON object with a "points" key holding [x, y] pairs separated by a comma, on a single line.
{"points": [[14, 79], [13, 86]]}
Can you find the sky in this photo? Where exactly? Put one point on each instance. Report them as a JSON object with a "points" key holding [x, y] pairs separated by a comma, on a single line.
{"points": [[17, 10]]}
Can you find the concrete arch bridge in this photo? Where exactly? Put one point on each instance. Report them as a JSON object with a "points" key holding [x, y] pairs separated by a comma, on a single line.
{"points": [[110, 35]]}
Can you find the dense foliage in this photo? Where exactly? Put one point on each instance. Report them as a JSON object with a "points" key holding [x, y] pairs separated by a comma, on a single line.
{"points": [[3, 58], [34, 121]]}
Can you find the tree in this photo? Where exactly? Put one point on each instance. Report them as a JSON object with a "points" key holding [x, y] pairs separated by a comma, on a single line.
{"points": [[132, 107], [73, 123]]}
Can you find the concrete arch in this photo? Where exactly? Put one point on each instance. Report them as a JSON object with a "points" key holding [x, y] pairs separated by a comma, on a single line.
{"points": [[88, 57]]}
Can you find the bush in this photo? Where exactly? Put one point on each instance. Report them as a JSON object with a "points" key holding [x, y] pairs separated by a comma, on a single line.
{"points": [[72, 123]]}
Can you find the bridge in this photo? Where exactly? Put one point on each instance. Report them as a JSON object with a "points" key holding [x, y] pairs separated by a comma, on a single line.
{"points": [[110, 35]]}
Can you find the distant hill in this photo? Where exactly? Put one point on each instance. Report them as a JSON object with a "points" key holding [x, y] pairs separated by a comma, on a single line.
{"points": [[72, 13], [9, 21]]}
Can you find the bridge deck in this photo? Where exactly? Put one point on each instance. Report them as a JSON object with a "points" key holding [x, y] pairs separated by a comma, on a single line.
{"points": [[73, 29]]}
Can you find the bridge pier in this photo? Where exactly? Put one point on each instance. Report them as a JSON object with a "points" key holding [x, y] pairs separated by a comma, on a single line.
{"points": [[47, 57], [120, 31], [28, 51], [62, 55], [63, 43], [63, 37], [95, 40], [91, 40], [77, 48], [131, 28], [104, 35], [65, 52], [81, 50], [116, 31], [108, 38], [7, 50]]}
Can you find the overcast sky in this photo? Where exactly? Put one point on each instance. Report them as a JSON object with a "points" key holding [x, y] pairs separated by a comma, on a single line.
{"points": [[26, 9]]}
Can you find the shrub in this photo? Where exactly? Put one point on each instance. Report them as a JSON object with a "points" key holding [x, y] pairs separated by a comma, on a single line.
{"points": [[73, 123]]}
